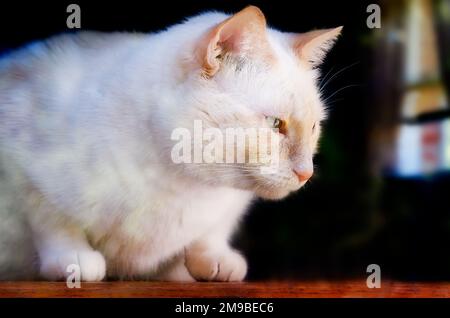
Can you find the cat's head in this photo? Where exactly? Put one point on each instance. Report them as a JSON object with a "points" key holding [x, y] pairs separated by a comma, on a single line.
{"points": [[240, 73]]}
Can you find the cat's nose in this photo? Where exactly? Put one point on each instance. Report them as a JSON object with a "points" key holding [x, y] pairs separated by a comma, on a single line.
{"points": [[303, 174]]}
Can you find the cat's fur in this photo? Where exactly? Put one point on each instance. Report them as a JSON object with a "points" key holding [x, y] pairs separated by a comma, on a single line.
{"points": [[85, 126]]}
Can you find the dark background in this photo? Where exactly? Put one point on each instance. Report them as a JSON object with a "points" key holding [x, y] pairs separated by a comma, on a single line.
{"points": [[348, 216]]}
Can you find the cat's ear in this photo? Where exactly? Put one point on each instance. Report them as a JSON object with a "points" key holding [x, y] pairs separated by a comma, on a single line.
{"points": [[241, 33], [312, 46]]}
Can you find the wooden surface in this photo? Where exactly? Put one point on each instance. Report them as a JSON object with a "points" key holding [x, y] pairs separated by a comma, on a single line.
{"points": [[307, 289]]}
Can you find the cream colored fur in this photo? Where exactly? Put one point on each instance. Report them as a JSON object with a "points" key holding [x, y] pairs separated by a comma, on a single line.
{"points": [[85, 167]]}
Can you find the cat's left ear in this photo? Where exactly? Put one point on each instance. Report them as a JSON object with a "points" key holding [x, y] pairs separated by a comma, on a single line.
{"points": [[312, 46]]}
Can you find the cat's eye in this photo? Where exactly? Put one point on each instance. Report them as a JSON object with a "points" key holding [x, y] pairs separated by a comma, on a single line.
{"points": [[273, 122], [276, 123]]}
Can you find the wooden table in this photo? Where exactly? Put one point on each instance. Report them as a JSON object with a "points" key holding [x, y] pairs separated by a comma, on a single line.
{"points": [[302, 289]]}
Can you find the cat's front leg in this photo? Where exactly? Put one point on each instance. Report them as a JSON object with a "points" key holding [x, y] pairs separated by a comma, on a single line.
{"points": [[209, 261], [211, 257], [62, 247], [59, 264]]}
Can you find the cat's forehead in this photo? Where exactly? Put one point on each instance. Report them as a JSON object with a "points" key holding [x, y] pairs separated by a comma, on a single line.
{"points": [[288, 97], [287, 88], [301, 96], [290, 90], [284, 92]]}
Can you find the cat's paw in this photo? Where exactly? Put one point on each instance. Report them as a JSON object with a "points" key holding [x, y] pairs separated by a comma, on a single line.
{"points": [[224, 266], [91, 264]]}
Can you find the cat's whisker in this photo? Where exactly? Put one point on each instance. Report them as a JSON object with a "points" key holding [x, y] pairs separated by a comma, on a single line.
{"points": [[236, 166], [230, 171], [330, 103], [322, 87], [325, 77], [339, 90], [220, 166]]}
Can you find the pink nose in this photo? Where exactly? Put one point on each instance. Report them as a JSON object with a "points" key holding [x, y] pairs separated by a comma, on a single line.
{"points": [[303, 175]]}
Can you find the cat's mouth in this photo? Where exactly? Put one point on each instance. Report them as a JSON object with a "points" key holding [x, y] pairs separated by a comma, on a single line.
{"points": [[276, 191], [272, 194]]}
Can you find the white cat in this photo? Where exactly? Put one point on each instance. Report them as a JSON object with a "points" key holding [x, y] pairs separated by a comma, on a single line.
{"points": [[85, 145]]}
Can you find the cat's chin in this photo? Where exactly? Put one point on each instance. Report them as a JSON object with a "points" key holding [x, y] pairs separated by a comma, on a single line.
{"points": [[272, 194]]}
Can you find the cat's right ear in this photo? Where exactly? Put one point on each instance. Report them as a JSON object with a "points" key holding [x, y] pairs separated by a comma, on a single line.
{"points": [[312, 46], [242, 33]]}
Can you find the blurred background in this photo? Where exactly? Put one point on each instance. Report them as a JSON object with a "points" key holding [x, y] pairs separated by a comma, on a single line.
{"points": [[381, 193]]}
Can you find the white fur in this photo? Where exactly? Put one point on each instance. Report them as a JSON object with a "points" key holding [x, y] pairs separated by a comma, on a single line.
{"points": [[85, 125]]}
